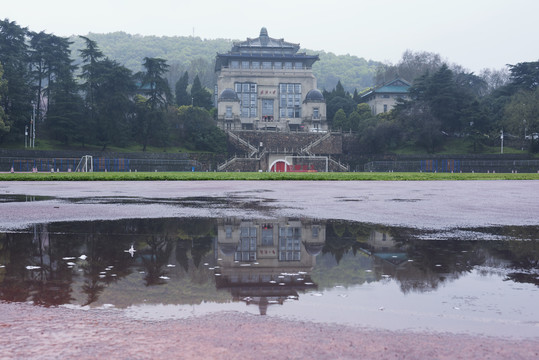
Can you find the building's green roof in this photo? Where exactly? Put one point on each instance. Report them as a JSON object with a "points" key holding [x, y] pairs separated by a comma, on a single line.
{"points": [[396, 86], [392, 89]]}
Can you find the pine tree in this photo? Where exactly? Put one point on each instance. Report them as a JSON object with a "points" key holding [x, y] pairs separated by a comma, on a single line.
{"points": [[182, 96]]}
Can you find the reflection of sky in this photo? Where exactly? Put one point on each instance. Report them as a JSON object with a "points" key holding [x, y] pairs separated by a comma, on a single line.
{"points": [[475, 304]]}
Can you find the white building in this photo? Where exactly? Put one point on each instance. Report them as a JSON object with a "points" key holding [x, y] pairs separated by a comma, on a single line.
{"points": [[265, 84]]}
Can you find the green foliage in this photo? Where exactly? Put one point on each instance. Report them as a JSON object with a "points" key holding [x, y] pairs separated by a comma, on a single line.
{"points": [[203, 176], [5, 124], [199, 129], [200, 96], [525, 75], [522, 113], [197, 56], [16, 102], [182, 97], [340, 121], [411, 66]]}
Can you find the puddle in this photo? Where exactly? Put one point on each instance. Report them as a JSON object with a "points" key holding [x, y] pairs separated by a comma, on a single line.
{"points": [[23, 198], [483, 282]]}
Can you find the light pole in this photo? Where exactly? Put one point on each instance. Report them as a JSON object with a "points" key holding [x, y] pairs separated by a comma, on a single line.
{"points": [[501, 138]]}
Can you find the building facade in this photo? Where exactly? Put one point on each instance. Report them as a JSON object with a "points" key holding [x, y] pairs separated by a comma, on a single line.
{"points": [[265, 84], [383, 98]]}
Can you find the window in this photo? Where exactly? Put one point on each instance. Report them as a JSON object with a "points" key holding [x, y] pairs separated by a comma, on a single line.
{"points": [[255, 65], [245, 64], [316, 113], [267, 109], [385, 107], [228, 114], [315, 230], [298, 65], [247, 93], [235, 64], [246, 250], [288, 65], [267, 235], [266, 65], [289, 244], [228, 232], [278, 65], [290, 100]]}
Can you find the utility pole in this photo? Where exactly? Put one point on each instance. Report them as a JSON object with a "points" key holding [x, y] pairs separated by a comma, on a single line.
{"points": [[33, 131]]}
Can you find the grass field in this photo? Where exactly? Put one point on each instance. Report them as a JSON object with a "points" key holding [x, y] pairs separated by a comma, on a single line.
{"points": [[203, 176]]}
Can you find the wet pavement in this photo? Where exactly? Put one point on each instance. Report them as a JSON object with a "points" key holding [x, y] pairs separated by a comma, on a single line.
{"points": [[418, 204], [409, 262]]}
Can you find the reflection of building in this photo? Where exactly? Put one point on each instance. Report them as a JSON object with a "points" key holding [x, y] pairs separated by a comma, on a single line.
{"points": [[264, 83], [267, 261], [383, 98], [383, 247]]}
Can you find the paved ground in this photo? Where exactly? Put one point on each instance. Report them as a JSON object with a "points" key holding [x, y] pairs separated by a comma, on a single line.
{"points": [[434, 205], [28, 332]]}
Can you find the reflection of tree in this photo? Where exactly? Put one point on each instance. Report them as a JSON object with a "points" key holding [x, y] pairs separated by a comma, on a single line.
{"points": [[343, 237], [160, 249], [196, 236], [201, 247], [181, 254], [523, 257]]}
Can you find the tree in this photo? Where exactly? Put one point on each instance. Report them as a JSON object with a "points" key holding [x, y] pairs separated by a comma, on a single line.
{"points": [[411, 66], [115, 89], [154, 84], [200, 131], [16, 102], [91, 56], [201, 96], [182, 96], [340, 120], [443, 99], [525, 75], [5, 124], [353, 121], [65, 108], [156, 88], [522, 113]]}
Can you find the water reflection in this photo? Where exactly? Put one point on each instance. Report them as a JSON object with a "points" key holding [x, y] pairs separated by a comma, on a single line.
{"points": [[267, 262], [260, 262]]}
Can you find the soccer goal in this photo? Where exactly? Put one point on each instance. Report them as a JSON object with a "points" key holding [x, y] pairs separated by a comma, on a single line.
{"points": [[306, 163], [86, 164]]}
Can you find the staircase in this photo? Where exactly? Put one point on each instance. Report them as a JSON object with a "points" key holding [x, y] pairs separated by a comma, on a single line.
{"points": [[250, 148], [307, 150]]}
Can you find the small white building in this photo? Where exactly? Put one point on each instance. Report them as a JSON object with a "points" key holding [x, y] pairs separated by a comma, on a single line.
{"points": [[383, 98]]}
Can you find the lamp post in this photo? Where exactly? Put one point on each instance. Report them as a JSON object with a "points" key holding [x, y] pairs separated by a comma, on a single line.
{"points": [[501, 138]]}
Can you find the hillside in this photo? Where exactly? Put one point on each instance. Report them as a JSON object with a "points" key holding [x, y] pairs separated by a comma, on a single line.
{"points": [[197, 55]]}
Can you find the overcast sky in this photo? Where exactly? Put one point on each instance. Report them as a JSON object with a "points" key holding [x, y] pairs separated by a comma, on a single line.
{"points": [[476, 34]]}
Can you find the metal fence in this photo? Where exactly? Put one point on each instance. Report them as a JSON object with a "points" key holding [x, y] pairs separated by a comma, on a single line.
{"points": [[454, 165], [99, 164]]}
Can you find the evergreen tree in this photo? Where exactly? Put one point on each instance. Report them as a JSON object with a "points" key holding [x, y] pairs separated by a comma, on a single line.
{"points": [[5, 124], [182, 96], [200, 132], [116, 86], [340, 122], [65, 107], [158, 92], [201, 96], [17, 101], [91, 56]]}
